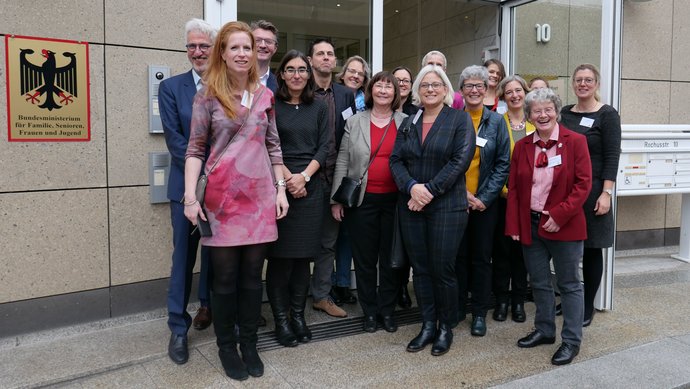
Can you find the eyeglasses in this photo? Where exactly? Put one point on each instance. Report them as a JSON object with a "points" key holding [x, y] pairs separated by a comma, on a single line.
{"points": [[385, 86], [266, 41], [586, 81], [192, 47], [404, 81], [291, 71], [545, 111], [433, 85], [469, 87], [353, 72]]}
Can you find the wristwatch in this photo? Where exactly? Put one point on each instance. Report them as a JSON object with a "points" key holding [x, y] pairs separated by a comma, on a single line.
{"points": [[609, 191], [306, 176], [280, 183]]}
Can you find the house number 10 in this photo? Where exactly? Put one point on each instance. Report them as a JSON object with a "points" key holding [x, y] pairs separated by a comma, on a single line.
{"points": [[543, 32]]}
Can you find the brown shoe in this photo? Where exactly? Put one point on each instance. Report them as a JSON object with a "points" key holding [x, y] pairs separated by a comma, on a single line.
{"points": [[327, 305], [202, 319]]}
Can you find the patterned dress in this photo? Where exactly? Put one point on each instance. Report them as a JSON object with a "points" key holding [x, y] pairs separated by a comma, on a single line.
{"points": [[240, 195]]}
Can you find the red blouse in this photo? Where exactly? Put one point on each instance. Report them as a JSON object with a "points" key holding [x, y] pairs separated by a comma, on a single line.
{"points": [[380, 178]]}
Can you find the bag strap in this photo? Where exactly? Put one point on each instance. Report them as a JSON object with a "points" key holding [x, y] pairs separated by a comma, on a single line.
{"points": [[378, 147], [251, 107]]}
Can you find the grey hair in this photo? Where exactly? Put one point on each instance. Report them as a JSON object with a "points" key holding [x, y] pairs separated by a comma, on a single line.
{"points": [[448, 99], [502, 86], [201, 26], [474, 71], [543, 95], [435, 52]]}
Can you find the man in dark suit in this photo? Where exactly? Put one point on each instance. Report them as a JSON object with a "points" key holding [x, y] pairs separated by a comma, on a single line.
{"points": [[341, 105], [266, 41], [176, 95]]}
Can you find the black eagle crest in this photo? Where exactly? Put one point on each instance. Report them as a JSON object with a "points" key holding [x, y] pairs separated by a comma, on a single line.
{"points": [[47, 79]]}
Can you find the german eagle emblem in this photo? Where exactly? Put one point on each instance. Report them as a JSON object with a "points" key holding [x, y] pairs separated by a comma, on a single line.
{"points": [[48, 80]]}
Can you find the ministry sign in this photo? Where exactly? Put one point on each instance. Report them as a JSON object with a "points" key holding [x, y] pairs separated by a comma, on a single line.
{"points": [[47, 89]]}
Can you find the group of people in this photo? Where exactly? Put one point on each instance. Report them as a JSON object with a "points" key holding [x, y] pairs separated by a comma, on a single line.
{"points": [[481, 187]]}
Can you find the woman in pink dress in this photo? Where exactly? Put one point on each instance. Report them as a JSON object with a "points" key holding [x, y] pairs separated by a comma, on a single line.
{"points": [[233, 117]]}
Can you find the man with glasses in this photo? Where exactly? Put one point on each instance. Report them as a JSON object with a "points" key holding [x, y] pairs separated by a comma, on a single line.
{"points": [[266, 41], [437, 58], [176, 95], [341, 105]]}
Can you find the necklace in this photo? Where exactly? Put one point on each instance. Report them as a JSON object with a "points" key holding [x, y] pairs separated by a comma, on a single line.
{"points": [[386, 116], [581, 109], [517, 126]]}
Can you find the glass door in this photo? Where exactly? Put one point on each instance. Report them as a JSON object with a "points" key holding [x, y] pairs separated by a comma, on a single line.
{"points": [[548, 39]]}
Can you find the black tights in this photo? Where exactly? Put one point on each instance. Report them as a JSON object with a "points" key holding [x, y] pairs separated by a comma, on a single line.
{"points": [[592, 269], [283, 273], [237, 267]]}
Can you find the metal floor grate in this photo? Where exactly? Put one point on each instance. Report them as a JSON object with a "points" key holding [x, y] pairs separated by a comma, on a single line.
{"points": [[338, 328]]}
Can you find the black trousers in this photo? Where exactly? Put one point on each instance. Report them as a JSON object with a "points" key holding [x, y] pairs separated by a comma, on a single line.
{"points": [[473, 267], [509, 271], [371, 230]]}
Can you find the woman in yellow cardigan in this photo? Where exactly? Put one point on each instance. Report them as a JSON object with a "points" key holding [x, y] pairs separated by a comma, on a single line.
{"points": [[509, 273]]}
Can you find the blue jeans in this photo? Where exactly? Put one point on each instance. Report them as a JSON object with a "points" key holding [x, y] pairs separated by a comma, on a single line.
{"points": [[343, 260]]}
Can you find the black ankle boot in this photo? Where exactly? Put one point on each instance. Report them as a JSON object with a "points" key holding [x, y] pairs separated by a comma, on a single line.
{"points": [[426, 336], [250, 356], [224, 318], [279, 298], [500, 312], [298, 301], [444, 338], [404, 300]]}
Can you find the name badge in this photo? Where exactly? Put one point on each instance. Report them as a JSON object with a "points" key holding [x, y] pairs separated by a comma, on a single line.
{"points": [[246, 99], [481, 142], [347, 113], [554, 161], [417, 116], [587, 122]]}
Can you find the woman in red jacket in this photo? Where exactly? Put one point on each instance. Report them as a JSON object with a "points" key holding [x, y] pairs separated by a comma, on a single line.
{"points": [[550, 179]]}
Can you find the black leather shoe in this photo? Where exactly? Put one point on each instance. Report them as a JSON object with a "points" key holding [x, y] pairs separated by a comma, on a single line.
{"points": [[346, 295], [478, 326], [369, 324], [518, 313], [177, 349], [501, 312], [535, 338], [388, 323], [284, 334], [559, 310], [404, 300], [426, 336], [335, 296], [565, 354], [444, 338], [588, 320]]}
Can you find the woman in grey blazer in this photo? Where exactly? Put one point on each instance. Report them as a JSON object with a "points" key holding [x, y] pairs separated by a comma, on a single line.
{"points": [[368, 134]]}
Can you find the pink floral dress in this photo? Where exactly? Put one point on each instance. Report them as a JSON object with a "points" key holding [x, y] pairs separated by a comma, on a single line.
{"points": [[240, 195]]}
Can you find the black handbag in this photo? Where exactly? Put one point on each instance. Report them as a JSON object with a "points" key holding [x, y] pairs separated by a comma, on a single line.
{"points": [[348, 192]]}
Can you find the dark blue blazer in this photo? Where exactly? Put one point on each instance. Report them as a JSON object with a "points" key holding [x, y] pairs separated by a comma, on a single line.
{"points": [[344, 98], [440, 162], [272, 82], [175, 98]]}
